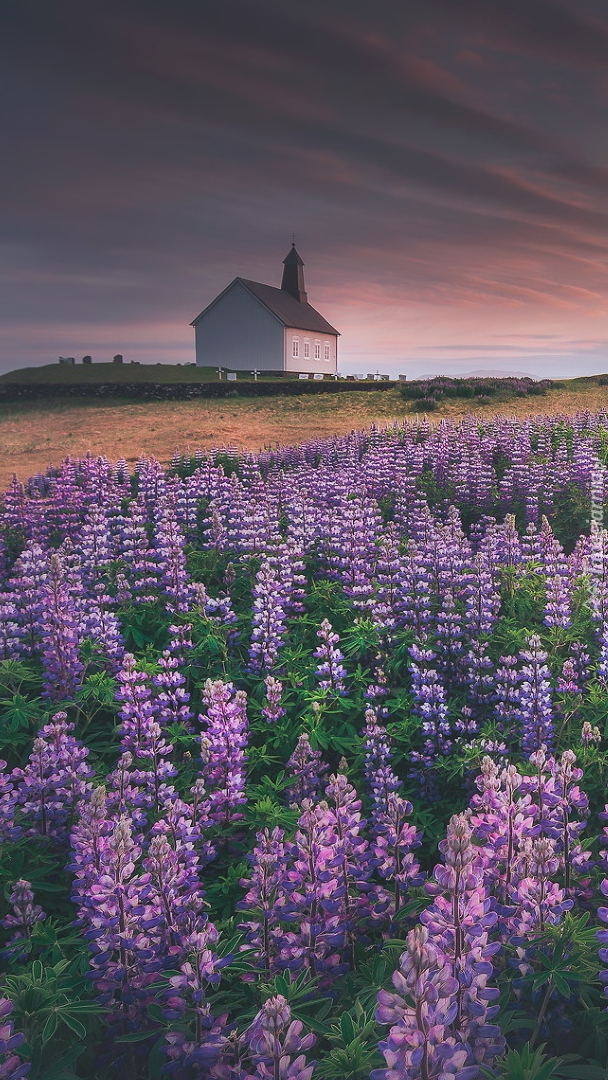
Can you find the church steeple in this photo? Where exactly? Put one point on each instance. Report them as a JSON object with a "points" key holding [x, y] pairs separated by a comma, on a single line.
{"points": [[293, 276]]}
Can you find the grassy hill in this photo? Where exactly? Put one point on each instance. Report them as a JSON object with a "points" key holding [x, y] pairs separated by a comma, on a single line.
{"points": [[94, 374]]}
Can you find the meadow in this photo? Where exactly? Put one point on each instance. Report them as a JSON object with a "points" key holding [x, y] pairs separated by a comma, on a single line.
{"points": [[35, 434], [304, 754]]}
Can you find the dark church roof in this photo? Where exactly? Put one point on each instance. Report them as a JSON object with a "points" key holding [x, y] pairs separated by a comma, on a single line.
{"points": [[287, 309], [284, 303]]}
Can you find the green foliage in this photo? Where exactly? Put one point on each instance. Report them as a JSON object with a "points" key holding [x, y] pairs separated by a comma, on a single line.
{"points": [[353, 1052], [525, 1064], [53, 1007]]}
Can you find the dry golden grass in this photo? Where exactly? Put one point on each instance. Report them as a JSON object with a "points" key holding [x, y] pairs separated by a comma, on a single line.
{"points": [[35, 435]]}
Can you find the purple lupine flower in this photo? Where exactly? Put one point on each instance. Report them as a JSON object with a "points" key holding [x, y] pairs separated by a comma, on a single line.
{"points": [[61, 664], [602, 937], [102, 626], [351, 854], [350, 546], [380, 779], [563, 810], [155, 752], [326, 886], [197, 1041], [172, 700], [580, 661], [66, 499], [56, 777], [308, 769], [170, 557], [12, 633], [185, 825], [88, 841], [11, 1065], [430, 705], [556, 572], [534, 710], [272, 709], [129, 792], [137, 710], [387, 604], [265, 894], [459, 920], [330, 671], [504, 820], [180, 642], [313, 891], [8, 799], [377, 691], [479, 674], [537, 901], [273, 1038], [506, 691], [557, 607], [268, 619], [449, 634], [223, 749], [288, 558], [590, 735], [141, 573], [482, 598], [420, 1044], [567, 682], [25, 913], [602, 662], [392, 844], [415, 602], [95, 545], [217, 609], [14, 513], [151, 484], [175, 892], [114, 910]]}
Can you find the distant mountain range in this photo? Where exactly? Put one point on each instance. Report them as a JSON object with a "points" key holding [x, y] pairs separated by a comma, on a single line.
{"points": [[490, 373]]}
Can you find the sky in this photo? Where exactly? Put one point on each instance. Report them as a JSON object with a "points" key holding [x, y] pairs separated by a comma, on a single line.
{"points": [[443, 166]]}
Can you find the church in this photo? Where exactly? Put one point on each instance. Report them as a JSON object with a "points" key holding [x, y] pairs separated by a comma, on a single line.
{"points": [[251, 326]]}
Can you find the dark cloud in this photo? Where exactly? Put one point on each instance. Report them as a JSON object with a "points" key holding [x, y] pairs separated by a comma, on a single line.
{"points": [[440, 164], [576, 33]]}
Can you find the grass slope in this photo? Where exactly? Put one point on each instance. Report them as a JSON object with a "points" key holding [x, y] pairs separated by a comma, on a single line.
{"points": [[69, 375], [94, 374]]}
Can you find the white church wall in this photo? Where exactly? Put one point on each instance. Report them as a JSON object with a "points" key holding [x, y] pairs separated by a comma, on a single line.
{"points": [[239, 334], [307, 340]]}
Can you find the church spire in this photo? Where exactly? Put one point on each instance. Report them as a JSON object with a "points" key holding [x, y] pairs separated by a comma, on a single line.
{"points": [[293, 276]]}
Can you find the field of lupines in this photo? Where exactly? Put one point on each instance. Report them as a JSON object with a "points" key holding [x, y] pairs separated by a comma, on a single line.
{"points": [[305, 768]]}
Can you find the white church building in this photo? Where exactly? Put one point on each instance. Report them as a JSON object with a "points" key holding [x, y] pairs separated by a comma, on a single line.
{"points": [[251, 326]]}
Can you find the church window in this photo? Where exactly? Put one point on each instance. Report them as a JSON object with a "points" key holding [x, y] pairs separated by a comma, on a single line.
{"points": [[295, 350], [306, 349], [317, 350], [327, 356]]}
